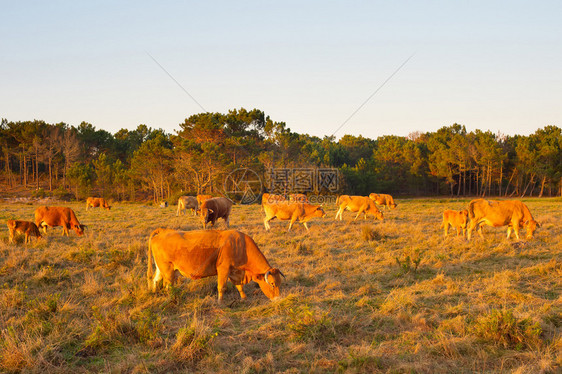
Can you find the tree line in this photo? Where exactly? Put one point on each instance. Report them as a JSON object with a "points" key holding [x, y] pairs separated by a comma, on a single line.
{"points": [[150, 163]]}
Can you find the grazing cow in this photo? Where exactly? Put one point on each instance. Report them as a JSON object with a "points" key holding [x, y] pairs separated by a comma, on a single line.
{"points": [[213, 209], [58, 216], [302, 212], [96, 202], [23, 227], [383, 199], [359, 204], [456, 219], [511, 213], [298, 198], [202, 198], [228, 254], [187, 202]]}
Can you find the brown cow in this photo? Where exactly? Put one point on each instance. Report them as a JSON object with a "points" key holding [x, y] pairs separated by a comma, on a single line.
{"points": [[58, 216], [456, 219], [511, 213], [359, 204], [298, 198], [23, 227], [383, 199], [96, 202], [202, 198], [213, 209], [229, 254], [295, 211], [187, 202]]}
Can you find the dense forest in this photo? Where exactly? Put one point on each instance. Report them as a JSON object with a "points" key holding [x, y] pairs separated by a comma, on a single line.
{"points": [[63, 160]]}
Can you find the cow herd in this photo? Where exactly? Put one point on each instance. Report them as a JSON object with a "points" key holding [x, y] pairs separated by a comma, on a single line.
{"points": [[234, 256]]}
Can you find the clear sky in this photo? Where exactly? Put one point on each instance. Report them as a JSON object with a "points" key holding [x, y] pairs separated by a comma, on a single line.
{"points": [[489, 65]]}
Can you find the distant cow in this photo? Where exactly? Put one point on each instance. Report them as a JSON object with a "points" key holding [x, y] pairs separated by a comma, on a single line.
{"points": [[383, 199], [359, 204], [23, 227], [213, 209], [202, 198], [96, 202], [229, 254], [302, 212], [511, 213], [58, 216], [298, 198], [456, 219], [187, 202]]}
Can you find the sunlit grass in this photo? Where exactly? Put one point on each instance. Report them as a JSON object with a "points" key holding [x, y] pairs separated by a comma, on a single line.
{"points": [[363, 296]]}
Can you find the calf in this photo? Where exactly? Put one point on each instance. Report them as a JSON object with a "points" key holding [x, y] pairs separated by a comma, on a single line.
{"points": [[456, 219], [23, 227]]}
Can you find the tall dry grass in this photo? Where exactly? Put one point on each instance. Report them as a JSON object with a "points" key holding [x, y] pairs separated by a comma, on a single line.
{"points": [[364, 296]]}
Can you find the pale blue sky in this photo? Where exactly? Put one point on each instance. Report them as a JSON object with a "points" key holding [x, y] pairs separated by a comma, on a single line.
{"points": [[489, 65]]}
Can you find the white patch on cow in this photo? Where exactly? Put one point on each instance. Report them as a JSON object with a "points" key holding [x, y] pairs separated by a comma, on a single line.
{"points": [[157, 276]]}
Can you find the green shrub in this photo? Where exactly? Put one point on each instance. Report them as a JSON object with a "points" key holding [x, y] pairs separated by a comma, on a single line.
{"points": [[502, 327]]}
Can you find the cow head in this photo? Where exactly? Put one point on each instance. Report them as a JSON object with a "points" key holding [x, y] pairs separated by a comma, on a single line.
{"points": [[79, 229], [373, 210], [270, 282], [319, 212], [531, 226], [205, 214], [107, 206]]}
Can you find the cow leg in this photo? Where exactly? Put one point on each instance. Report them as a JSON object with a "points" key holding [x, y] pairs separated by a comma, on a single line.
{"points": [[240, 289], [471, 227], [508, 232], [305, 225], [157, 277], [358, 213], [221, 282], [266, 223], [340, 213], [291, 224], [27, 238], [445, 229], [11, 236], [458, 230]]}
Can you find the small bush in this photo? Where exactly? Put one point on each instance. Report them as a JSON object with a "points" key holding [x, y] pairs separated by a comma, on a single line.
{"points": [[193, 342], [306, 325], [39, 193], [368, 233], [502, 327]]}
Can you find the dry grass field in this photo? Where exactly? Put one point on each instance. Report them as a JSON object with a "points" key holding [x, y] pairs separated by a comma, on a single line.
{"points": [[369, 297]]}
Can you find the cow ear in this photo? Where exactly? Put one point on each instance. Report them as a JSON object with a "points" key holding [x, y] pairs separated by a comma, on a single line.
{"points": [[538, 224], [211, 211]]}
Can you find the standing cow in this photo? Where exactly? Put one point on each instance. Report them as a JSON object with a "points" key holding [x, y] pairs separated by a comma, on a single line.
{"points": [[456, 219], [96, 202], [187, 202], [53, 216], [359, 204], [383, 199], [228, 254], [296, 211], [213, 209], [511, 213], [29, 229]]}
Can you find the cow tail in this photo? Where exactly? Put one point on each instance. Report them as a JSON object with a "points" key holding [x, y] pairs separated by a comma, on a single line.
{"points": [[471, 214], [149, 255]]}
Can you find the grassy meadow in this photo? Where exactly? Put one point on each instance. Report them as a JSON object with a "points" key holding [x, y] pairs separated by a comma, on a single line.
{"points": [[364, 296]]}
